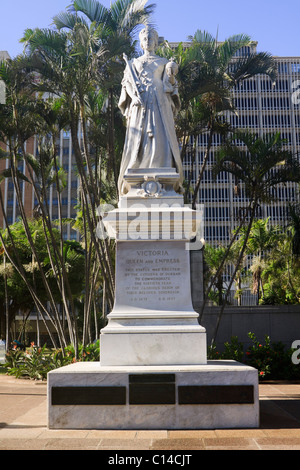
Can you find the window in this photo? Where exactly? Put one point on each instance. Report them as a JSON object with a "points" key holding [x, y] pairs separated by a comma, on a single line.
{"points": [[216, 233], [246, 86], [275, 121], [276, 102], [213, 194], [246, 103], [244, 121], [283, 67], [295, 68], [217, 213]]}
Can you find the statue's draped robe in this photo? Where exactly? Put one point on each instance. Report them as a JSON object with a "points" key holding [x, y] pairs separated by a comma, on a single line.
{"points": [[151, 140]]}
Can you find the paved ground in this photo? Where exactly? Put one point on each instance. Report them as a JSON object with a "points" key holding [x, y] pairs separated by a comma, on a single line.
{"points": [[23, 425]]}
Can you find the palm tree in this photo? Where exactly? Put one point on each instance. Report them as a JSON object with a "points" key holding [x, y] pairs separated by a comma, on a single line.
{"points": [[46, 119], [115, 29], [196, 83], [19, 121], [281, 274], [294, 226], [224, 70], [65, 65], [262, 238], [77, 61], [260, 164], [208, 72], [213, 257]]}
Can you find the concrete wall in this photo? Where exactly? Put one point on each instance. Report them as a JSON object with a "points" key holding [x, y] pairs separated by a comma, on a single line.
{"points": [[280, 322]]}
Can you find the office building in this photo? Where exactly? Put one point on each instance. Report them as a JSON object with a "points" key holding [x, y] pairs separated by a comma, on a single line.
{"points": [[264, 108]]}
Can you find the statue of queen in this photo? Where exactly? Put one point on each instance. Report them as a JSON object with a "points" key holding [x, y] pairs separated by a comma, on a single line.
{"points": [[149, 100]]}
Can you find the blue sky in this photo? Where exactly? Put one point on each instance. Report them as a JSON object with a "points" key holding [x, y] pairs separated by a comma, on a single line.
{"points": [[273, 23]]}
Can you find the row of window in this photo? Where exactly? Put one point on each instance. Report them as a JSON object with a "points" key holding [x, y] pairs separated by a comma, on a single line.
{"points": [[246, 103], [249, 120], [276, 120], [268, 120], [214, 194], [275, 102], [217, 213], [216, 233], [288, 67], [222, 177], [279, 85], [222, 232], [266, 84]]}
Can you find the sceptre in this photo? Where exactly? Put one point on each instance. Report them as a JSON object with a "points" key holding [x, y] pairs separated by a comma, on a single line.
{"points": [[133, 79]]}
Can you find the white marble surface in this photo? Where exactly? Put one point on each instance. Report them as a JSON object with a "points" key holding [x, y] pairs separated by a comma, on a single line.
{"points": [[154, 416], [153, 321], [153, 348], [149, 99], [224, 366]]}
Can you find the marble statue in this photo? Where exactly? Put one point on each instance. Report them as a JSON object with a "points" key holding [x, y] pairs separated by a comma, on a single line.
{"points": [[149, 100]]}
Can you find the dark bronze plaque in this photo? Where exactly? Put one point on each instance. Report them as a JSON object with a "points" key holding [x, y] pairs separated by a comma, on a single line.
{"points": [[152, 394], [151, 378], [216, 395], [88, 396]]}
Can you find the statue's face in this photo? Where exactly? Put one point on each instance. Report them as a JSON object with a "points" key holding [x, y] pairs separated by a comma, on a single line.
{"points": [[148, 41]]}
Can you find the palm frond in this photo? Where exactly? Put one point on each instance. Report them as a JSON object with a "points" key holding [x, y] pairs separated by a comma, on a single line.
{"points": [[67, 20], [254, 64], [7, 173], [203, 38], [92, 9], [3, 154], [228, 48]]}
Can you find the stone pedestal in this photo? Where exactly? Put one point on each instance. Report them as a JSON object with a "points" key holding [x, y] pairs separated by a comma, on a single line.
{"points": [[153, 321], [153, 371], [218, 395]]}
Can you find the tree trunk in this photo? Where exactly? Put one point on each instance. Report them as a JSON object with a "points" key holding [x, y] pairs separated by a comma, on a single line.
{"points": [[101, 246], [237, 231], [241, 255], [6, 307], [206, 157]]}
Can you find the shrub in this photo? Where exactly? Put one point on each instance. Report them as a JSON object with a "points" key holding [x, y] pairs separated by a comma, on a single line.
{"points": [[233, 350], [14, 360], [272, 360], [90, 352], [35, 363]]}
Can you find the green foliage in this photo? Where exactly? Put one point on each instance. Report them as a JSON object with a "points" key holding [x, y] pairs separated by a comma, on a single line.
{"points": [[233, 350], [35, 363], [271, 359], [88, 353]]}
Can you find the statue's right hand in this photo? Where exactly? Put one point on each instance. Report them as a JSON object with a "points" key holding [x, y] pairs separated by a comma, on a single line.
{"points": [[136, 101]]}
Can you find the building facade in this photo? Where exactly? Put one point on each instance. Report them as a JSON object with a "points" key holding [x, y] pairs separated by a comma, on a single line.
{"points": [[264, 108]]}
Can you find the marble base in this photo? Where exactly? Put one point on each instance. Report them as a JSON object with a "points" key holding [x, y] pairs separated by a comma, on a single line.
{"points": [[161, 346], [153, 321], [218, 395]]}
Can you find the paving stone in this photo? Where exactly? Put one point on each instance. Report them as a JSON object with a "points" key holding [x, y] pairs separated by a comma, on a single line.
{"points": [[191, 434], [228, 442], [125, 444], [72, 444], [23, 425], [177, 444]]}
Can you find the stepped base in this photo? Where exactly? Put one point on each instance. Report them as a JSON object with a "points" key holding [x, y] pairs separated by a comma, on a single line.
{"points": [[218, 395]]}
